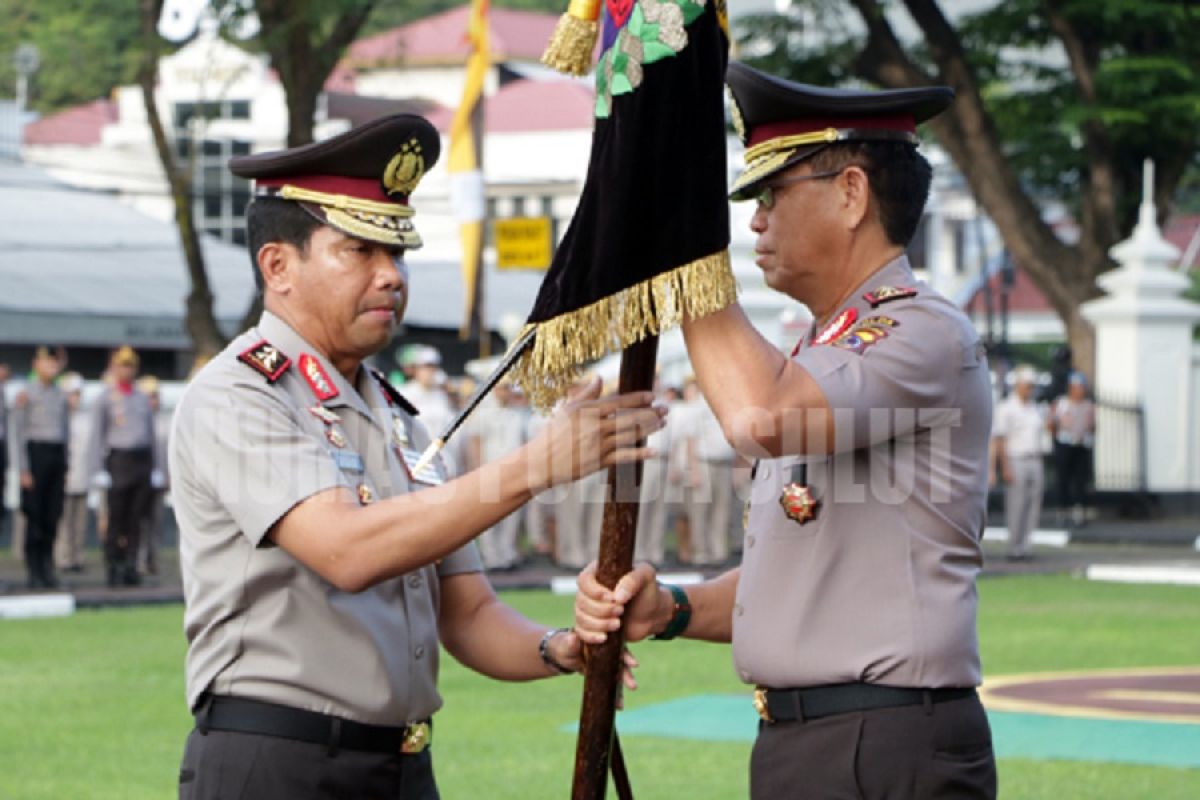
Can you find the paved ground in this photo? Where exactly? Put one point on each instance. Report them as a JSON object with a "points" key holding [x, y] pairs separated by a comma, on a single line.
{"points": [[1099, 542]]}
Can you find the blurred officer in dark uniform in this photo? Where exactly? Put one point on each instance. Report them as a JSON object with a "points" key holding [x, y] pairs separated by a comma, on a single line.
{"points": [[320, 566], [4, 428], [854, 610], [40, 427], [122, 454]]}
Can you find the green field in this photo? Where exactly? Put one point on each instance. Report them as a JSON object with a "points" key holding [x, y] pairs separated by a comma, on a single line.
{"points": [[91, 706]]}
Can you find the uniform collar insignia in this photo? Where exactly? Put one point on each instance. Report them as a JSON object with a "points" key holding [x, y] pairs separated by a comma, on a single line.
{"points": [[866, 333], [886, 294], [265, 358], [317, 378], [841, 323]]}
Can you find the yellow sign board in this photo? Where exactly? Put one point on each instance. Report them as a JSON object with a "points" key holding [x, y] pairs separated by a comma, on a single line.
{"points": [[523, 243]]}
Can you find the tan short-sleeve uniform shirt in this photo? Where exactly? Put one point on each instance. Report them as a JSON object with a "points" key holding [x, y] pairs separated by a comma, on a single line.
{"points": [[880, 586], [246, 447]]}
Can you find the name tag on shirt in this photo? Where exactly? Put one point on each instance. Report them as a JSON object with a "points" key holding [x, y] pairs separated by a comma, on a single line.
{"points": [[427, 475], [348, 461]]}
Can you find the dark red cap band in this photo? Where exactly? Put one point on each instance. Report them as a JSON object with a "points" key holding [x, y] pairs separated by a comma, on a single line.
{"points": [[362, 188], [773, 130]]}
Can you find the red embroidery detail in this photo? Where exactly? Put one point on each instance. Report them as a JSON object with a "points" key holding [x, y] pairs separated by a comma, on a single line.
{"points": [[619, 10], [316, 377], [841, 323], [265, 358]]}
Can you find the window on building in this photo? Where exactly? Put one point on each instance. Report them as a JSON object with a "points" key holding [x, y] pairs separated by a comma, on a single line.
{"points": [[220, 198]]}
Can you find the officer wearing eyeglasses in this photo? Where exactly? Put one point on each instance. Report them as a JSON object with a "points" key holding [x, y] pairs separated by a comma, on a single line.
{"points": [[853, 613]]}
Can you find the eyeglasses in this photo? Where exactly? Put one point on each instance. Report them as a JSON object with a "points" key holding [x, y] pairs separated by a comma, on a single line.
{"points": [[766, 195]]}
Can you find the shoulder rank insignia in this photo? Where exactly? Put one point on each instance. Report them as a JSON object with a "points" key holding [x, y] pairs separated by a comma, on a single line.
{"points": [[841, 323], [865, 334], [393, 396], [886, 294], [265, 358], [316, 377]]}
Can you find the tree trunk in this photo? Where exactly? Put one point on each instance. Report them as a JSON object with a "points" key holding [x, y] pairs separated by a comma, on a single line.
{"points": [[199, 319]]}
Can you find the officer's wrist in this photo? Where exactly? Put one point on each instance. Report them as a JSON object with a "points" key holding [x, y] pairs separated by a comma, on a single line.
{"points": [[547, 655], [674, 612]]}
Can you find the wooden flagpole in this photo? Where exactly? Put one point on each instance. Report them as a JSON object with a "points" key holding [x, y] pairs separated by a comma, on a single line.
{"points": [[594, 747]]}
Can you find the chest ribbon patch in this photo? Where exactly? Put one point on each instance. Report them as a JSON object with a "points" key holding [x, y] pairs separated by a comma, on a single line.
{"points": [[865, 334]]}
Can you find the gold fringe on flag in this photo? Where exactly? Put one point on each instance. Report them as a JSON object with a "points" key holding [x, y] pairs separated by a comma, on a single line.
{"points": [[569, 342], [570, 47]]}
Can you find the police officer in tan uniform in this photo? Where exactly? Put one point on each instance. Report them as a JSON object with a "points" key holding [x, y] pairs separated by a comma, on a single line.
{"points": [[40, 427], [122, 456], [853, 612], [320, 567]]}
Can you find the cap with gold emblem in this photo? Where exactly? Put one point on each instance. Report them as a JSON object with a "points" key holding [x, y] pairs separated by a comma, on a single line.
{"points": [[358, 182], [783, 122]]}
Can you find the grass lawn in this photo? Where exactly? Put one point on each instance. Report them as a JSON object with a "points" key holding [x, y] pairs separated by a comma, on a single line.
{"points": [[91, 706]]}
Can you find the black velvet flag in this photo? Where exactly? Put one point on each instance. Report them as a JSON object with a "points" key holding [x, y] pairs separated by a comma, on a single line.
{"points": [[648, 244]]}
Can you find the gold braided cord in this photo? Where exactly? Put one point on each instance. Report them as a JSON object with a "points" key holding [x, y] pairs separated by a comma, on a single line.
{"points": [[364, 229], [566, 344], [792, 142], [289, 192]]}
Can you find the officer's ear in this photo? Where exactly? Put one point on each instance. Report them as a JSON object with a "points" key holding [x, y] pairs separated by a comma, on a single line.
{"points": [[275, 266], [855, 195]]}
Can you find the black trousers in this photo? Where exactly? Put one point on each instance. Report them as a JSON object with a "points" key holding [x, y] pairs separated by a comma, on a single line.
{"points": [[943, 750], [129, 501], [223, 765], [42, 506], [1073, 463]]}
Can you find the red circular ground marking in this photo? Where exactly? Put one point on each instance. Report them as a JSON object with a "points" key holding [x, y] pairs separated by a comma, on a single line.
{"points": [[1160, 695]]}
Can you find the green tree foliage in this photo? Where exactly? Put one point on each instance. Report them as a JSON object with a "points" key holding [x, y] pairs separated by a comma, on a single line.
{"points": [[87, 47], [1056, 100]]}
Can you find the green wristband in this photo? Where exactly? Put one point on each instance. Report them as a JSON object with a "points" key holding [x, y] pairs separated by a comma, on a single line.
{"points": [[680, 617]]}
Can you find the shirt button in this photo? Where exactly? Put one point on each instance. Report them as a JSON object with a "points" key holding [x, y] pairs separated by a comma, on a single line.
{"points": [[749, 540], [419, 652], [737, 609], [414, 581]]}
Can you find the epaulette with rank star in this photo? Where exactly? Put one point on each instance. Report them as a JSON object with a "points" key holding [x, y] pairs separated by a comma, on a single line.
{"points": [[886, 294], [266, 359], [394, 396]]}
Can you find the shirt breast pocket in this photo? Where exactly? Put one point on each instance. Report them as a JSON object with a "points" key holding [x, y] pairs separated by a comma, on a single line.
{"points": [[785, 506]]}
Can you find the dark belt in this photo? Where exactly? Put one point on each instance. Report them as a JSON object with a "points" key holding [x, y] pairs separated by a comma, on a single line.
{"points": [[242, 715], [787, 705]]}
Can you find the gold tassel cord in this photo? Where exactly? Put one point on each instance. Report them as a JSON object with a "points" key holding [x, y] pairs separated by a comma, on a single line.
{"points": [[574, 39], [567, 343]]}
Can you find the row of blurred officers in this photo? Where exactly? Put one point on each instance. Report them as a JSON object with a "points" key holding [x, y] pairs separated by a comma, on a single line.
{"points": [[691, 487], [65, 450]]}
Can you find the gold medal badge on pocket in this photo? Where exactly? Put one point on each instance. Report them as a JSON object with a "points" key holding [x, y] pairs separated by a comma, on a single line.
{"points": [[797, 498]]}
